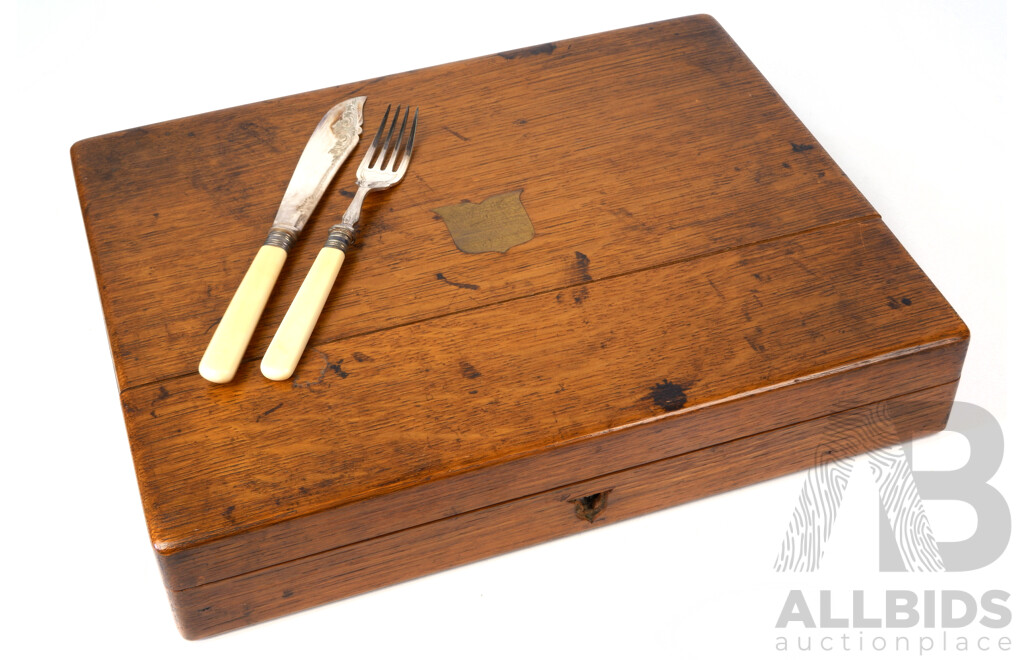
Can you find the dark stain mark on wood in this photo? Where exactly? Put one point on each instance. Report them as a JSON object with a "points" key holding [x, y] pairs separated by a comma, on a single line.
{"points": [[261, 134], [329, 367], [161, 394], [362, 357], [346, 193], [580, 294], [229, 513], [287, 593], [263, 415], [752, 340], [421, 180], [520, 122], [541, 49], [129, 408], [460, 285], [786, 165], [800, 148], [582, 267], [468, 370], [152, 413], [212, 325], [456, 134], [802, 266], [895, 304], [668, 396], [715, 288], [590, 507]]}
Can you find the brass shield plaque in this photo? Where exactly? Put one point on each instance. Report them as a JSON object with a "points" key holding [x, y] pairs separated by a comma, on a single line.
{"points": [[496, 224]]}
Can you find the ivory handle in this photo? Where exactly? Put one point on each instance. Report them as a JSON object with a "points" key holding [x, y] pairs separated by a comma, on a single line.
{"points": [[230, 339], [292, 335]]}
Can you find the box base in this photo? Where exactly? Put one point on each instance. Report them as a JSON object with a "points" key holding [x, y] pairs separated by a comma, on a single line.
{"points": [[359, 567]]}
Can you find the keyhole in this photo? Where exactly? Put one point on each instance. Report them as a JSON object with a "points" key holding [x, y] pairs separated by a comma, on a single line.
{"points": [[589, 507]]}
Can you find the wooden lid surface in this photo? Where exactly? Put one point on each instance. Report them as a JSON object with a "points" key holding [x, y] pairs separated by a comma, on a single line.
{"points": [[686, 241]]}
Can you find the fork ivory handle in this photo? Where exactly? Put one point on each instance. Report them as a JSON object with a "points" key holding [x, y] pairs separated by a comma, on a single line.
{"points": [[230, 339], [292, 335]]}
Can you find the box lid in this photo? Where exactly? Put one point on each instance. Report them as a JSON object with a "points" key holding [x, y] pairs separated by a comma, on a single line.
{"points": [[607, 250]]}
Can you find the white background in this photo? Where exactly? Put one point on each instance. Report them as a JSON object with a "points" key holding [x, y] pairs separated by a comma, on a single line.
{"points": [[913, 101]]}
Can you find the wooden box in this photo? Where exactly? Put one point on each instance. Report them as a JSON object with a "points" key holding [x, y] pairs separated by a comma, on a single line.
{"points": [[619, 275]]}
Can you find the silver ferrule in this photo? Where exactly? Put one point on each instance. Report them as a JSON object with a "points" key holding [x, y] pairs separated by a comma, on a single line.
{"points": [[281, 238], [340, 237]]}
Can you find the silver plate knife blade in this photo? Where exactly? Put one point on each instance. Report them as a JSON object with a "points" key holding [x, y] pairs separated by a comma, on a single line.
{"points": [[332, 141]]}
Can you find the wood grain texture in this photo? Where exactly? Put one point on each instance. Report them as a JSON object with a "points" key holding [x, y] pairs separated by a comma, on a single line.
{"points": [[473, 535], [700, 272], [636, 148], [401, 408], [318, 532]]}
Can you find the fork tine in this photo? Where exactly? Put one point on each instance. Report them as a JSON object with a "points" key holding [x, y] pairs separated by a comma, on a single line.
{"points": [[387, 141], [403, 165], [412, 134], [398, 140], [376, 140]]}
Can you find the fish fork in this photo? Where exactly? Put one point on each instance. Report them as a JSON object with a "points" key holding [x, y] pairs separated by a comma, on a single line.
{"points": [[378, 170]]}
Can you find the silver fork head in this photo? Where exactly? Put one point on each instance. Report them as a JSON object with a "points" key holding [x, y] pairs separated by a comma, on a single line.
{"points": [[386, 161]]}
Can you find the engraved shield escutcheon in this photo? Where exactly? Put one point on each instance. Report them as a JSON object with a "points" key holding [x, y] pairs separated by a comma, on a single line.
{"points": [[496, 224]]}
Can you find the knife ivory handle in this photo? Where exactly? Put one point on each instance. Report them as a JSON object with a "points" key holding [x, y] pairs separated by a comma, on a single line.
{"points": [[292, 335], [230, 339]]}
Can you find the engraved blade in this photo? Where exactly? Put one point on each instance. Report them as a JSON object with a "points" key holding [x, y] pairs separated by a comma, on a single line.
{"points": [[332, 141]]}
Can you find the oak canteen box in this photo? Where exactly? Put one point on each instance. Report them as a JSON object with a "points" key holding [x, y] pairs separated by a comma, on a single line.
{"points": [[619, 275]]}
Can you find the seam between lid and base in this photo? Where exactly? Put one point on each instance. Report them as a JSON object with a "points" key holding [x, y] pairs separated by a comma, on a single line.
{"points": [[568, 485]]}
